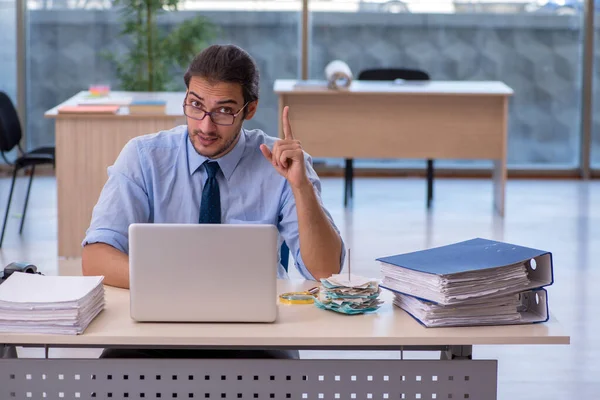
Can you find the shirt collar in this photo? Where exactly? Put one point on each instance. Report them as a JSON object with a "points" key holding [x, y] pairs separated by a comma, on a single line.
{"points": [[227, 163]]}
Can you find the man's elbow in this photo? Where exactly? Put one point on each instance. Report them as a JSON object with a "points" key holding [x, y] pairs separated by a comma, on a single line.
{"points": [[86, 261], [90, 255], [329, 268], [340, 257]]}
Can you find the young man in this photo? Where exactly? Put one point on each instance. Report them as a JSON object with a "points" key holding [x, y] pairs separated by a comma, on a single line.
{"points": [[214, 171]]}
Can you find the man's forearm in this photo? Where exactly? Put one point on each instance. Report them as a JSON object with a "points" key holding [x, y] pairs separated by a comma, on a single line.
{"points": [[103, 259], [320, 244]]}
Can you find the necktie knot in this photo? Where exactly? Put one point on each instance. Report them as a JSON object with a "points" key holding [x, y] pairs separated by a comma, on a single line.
{"points": [[211, 168]]}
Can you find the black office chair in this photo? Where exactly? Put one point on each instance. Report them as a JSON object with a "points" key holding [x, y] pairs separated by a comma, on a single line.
{"points": [[388, 74], [10, 136]]}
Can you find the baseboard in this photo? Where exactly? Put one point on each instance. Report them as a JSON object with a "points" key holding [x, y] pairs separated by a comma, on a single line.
{"points": [[447, 173], [440, 173], [40, 170]]}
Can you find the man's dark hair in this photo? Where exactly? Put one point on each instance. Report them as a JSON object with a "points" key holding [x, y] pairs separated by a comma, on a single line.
{"points": [[226, 63]]}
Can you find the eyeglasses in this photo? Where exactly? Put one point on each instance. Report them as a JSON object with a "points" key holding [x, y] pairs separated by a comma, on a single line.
{"points": [[219, 118]]}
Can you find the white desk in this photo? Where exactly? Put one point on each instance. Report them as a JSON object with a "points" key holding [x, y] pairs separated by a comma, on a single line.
{"points": [[297, 327], [383, 120]]}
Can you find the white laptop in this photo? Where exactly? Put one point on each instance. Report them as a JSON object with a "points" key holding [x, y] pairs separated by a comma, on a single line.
{"points": [[203, 272]]}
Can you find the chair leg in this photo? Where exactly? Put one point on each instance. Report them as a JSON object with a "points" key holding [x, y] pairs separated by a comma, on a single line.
{"points": [[12, 186], [27, 199], [429, 182], [352, 179], [348, 186]]}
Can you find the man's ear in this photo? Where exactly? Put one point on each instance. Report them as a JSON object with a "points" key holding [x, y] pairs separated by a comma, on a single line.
{"points": [[251, 109]]}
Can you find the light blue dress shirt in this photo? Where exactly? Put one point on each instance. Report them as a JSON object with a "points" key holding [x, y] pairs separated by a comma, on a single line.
{"points": [[157, 178]]}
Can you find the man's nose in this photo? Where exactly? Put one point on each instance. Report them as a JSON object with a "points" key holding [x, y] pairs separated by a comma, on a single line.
{"points": [[206, 124]]}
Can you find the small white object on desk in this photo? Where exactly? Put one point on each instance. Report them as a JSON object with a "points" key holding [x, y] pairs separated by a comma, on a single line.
{"points": [[31, 303], [338, 75]]}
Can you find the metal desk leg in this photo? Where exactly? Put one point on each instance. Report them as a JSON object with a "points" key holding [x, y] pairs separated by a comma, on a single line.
{"points": [[429, 182], [8, 351], [348, 182], [458, 353]]}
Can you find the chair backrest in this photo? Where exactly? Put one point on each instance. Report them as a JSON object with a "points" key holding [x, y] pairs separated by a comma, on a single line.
{"points": [[390, 74], [10, 126]]}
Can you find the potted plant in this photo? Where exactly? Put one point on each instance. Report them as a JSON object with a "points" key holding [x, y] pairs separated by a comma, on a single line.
{"points": [[156, 55]]}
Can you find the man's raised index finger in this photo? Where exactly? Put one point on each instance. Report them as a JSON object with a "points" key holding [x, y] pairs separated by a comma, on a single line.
{"points": [[287, 128]]}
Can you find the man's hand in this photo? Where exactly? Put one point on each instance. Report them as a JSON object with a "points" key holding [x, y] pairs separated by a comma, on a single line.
{"points": [[287, 156], [320, 244]]}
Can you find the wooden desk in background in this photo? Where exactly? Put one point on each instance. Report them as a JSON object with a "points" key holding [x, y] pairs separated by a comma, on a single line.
{"points": [[383, 120], [86, 145]]}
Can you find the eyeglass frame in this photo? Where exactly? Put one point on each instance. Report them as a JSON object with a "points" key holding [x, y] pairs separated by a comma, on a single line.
{"points": [[210, 113]]}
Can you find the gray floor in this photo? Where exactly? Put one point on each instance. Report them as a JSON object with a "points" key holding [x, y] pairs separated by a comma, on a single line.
{"points": [[389, 216]]}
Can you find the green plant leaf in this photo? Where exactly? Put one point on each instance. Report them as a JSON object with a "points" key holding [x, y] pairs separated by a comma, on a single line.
{"points": [[155, 56]]}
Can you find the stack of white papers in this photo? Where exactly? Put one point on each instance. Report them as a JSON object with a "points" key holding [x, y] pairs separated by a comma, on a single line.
{"points": [[457, 287], [31, 303], [500, 310], [110, 100], [354, 295]]}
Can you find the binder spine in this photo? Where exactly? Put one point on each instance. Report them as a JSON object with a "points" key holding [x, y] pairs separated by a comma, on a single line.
{"points": [[534, 306], [540, 271]]}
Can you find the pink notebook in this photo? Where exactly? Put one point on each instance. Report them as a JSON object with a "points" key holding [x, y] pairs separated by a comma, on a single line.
{"points": [[89, 109]]}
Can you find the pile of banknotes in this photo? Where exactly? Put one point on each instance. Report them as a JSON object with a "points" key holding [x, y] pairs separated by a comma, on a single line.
{"points": [[349, 295]]}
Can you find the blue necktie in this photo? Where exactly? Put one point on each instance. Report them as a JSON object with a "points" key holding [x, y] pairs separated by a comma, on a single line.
{"points": [[210, 207]]}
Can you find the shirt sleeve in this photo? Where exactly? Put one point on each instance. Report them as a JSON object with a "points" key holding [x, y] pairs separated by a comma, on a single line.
{"points": [[123, 201], [288, 224]]}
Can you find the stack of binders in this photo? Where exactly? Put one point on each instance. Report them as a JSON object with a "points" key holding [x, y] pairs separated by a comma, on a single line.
{"points": [[470, 283]]}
